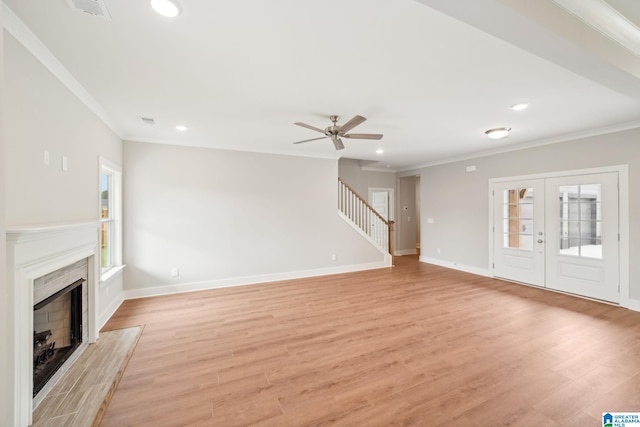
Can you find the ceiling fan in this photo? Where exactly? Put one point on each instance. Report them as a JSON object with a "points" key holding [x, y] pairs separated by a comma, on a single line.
{"points": [[336, 132]]}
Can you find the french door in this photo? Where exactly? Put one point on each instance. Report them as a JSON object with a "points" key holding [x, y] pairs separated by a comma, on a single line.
{"points": [[518, 225], [561, 233]]}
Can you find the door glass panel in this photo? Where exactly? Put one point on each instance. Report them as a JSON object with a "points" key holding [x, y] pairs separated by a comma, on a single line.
{"points": [[580, 219], [526, 209], [526, 226], [518, 221]]}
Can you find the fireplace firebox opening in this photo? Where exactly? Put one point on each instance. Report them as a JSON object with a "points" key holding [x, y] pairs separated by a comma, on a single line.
{"points": [[57, 323]]}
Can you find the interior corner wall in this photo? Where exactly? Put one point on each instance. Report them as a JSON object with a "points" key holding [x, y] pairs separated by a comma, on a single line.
{"points": [[350, 171], [458, 201], [40, 113], [223, 217], [6, 398]]}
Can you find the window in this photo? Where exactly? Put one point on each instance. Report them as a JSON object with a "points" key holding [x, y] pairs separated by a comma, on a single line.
{"points": [[581, 220], [518, 218], [110, 218]]}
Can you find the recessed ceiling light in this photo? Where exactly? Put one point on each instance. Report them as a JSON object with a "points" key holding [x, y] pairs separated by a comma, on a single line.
{"points": [[497, 133], [168, 8], [181, 128], [379, 151], [519, 107]]}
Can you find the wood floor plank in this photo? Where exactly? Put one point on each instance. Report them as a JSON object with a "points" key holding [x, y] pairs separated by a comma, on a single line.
{"points": [[416, 344]]}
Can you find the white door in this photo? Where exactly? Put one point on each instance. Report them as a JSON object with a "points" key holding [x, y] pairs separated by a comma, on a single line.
{"points": [[380, 202], [560, 233], [518, 230], [582, 244]]}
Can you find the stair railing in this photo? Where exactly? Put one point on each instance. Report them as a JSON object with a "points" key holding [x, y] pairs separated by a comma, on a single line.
{"points": [[365, 217]]}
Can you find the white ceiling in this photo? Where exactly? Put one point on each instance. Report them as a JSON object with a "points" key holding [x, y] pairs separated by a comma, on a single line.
{"points": [[431, 75]]}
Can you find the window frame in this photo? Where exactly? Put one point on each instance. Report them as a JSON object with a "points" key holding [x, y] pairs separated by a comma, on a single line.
{"points": [[114, 238]]}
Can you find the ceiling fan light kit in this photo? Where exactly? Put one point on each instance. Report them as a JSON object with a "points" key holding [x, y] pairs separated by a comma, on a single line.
{"points": [[336, 132], [498, 133]]}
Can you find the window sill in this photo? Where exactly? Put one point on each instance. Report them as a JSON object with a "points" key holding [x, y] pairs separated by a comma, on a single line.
{"points": [[110, 274]]}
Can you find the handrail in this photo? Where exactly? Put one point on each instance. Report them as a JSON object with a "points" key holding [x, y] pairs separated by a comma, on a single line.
{"points": [[355, 193], [365, 217]]}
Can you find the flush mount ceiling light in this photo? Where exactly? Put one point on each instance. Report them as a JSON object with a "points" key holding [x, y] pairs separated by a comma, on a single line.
{"points": [[497, 133], [168, 8], [519, 107], [181, 128]]}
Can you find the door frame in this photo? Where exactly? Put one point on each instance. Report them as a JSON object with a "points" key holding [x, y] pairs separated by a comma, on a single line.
{"points": [[623, 217]]}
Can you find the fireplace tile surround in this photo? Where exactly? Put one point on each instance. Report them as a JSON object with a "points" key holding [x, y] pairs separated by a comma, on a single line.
{"points": [[40, 259]]}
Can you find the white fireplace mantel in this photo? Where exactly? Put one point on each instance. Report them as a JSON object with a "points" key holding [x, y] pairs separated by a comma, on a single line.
{"points": [[32, 252]]}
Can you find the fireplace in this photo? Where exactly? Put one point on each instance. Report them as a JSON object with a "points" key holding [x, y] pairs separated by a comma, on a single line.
{"points": [[53, 284], [57, 331]]}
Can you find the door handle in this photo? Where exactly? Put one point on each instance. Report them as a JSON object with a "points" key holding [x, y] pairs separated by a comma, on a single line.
{"points": [[540, 240]]}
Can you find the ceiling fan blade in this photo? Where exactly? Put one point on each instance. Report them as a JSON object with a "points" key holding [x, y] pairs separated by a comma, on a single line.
{"points": [[304, 125], [312, 139], [363, 136], [337, 142], [355, 121]]}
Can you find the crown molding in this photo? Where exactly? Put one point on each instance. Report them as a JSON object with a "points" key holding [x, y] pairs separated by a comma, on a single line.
{"points": [[34, 45], [605, 19], [532, 144], [378, 169]]}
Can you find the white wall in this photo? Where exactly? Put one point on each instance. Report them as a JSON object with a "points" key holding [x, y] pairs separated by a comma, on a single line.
{"points": [[41, 114], [458, 201], [227, 217], [5, 369], [361, 180]]}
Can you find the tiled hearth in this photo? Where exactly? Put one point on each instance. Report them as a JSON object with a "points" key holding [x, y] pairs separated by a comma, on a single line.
{"points": [[41, 260]]}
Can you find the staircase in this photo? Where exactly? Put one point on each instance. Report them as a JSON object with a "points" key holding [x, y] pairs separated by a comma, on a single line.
{"points": [[364, 218]]}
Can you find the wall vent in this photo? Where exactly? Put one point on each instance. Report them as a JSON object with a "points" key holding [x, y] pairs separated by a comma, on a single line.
{"points": [[92, 7]]}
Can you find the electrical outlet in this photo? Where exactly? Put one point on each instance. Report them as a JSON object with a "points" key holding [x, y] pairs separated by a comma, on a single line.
{"points": [[175, 271], [438, 250], [334, 257], [46, 158]]}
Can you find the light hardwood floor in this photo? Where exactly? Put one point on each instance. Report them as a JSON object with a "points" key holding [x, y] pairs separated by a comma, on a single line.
{"points": [[415, 344]]}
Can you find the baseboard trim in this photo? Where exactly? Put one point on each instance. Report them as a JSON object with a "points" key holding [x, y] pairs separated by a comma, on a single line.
{"points": [[252, 280], [106, 314], [466, 268], [632, 304], [362, 233], [406, 252]]}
